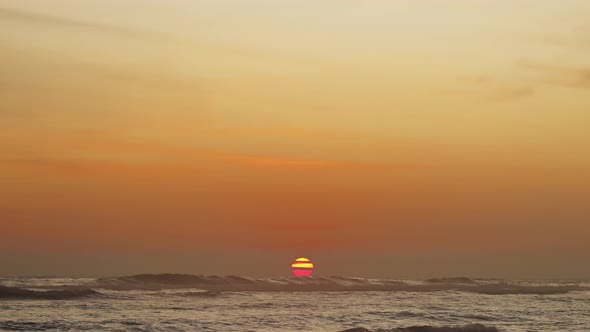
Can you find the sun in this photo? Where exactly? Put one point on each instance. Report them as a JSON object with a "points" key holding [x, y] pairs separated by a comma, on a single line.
{"points": [[302, 267]]}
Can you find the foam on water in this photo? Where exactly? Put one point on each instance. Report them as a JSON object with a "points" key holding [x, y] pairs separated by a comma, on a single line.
{"points": [[234, 283], [62, 294]]}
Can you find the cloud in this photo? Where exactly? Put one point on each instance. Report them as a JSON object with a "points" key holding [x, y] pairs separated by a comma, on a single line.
{"points": [[579, 38], [572, 76], [511, 93], [48, 20], [567, 76], [106, 154], [492, 90]]}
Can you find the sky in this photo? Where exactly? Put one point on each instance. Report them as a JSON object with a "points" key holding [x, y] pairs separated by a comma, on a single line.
{"points": [[379, 138]]}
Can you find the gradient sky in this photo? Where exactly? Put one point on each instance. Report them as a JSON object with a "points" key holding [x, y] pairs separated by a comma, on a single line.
{"points": [[395, 138]]}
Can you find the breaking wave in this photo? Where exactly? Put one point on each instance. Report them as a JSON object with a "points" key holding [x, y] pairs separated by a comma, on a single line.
{"points": [[185, 285], [467, 328], [452, 280], [201, 294], [33, 326], [235, 283], [14, 293]]}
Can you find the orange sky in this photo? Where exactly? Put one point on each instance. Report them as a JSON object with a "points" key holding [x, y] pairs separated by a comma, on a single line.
{"points": [[410, 138]]}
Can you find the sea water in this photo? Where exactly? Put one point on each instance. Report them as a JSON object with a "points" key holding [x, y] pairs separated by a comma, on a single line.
{"points": [[199, 303]]}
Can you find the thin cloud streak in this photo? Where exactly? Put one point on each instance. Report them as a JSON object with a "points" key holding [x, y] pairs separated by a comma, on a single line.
{"points": [[135, 155], [48, 20], [572, 77]]}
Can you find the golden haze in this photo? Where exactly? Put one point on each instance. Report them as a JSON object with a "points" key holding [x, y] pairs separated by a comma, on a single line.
{"points": [[403, 132]]}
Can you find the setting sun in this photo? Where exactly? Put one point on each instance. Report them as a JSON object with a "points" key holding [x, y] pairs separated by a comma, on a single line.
{"points": [[302, 267], [162, 160]]}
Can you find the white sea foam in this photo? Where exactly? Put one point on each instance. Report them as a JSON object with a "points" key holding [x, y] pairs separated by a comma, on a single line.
{"points": [[235, 283]]}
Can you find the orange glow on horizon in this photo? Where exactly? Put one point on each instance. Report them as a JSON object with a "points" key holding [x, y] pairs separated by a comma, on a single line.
{"points": [[372, 129]]}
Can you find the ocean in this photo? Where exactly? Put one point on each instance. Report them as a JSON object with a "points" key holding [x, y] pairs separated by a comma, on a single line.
{"points": [[174, 302]]}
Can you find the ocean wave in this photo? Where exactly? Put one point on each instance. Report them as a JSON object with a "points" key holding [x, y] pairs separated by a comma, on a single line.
{"points": [[237, 284], [33, 326], [207, 294], [139, 326], [467, 328], [14, 293], [452, 280]]}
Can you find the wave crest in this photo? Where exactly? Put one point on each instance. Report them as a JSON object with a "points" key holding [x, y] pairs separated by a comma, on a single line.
{"points": [[467, 328], [452, 280], [235, 283], [15, 293]]}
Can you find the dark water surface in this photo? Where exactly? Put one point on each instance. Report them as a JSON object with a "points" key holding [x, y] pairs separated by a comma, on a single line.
{"points": [[198, 303]]}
